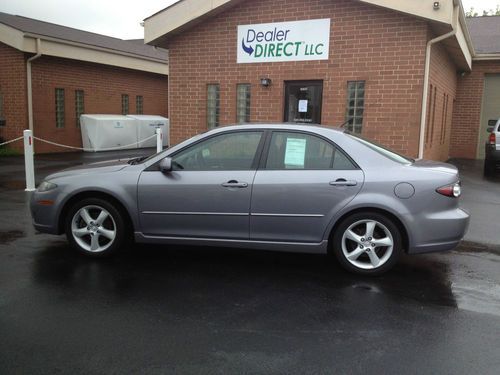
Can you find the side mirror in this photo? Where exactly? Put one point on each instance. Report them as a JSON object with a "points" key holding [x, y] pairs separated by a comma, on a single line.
{"points": [[166, 165], [490, 129]]}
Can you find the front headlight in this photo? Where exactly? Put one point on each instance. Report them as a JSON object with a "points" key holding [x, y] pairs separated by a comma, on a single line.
{"points": [[46, 186]]}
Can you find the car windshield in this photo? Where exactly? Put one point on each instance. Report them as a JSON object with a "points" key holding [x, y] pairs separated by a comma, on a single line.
{"points": [[382, 150]]}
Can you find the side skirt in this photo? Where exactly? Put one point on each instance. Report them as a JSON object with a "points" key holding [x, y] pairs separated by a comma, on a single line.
{"points": [[294, 247]]}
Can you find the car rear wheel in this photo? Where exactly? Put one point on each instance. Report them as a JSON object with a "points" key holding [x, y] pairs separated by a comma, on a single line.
{"points": [[367, 243], [95, 227]]}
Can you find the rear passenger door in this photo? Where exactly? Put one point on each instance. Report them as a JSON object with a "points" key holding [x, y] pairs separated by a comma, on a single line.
{"points": [[303, 181]]}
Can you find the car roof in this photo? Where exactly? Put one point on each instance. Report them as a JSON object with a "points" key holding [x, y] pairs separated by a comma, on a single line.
{"points": [[280, 126]]}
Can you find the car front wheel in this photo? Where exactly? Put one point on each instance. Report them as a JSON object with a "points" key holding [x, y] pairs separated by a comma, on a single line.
{"points": [[367, 243], [95, 227]]}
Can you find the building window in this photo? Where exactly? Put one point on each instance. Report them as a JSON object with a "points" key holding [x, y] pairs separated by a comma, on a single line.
{"points": [[242, 103], [2, 116], [213, 105], [79, 106], [355, 105], [139, 105], [59, 108], [125, 104], [431, 116], [444, 118]]}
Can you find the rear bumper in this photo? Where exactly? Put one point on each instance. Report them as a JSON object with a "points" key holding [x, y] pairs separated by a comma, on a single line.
{"points": [[492, 154], [441, 232]]}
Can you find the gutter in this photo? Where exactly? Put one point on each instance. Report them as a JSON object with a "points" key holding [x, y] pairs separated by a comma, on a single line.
{"points": [[96, 48], [430, 43], [28, 77]]}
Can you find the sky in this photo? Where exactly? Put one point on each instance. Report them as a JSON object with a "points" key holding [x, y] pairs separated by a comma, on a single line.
{"points": [[119, 18]]}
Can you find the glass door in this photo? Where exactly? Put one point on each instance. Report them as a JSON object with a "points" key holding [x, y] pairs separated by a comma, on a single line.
{"points": [[303, 101]]}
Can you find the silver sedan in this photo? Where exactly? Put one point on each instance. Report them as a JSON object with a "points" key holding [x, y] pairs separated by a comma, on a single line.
{"points": [[270, 187]]}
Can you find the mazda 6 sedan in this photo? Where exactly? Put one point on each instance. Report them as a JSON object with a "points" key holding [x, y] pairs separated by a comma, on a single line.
{"points": [[269, 187]]}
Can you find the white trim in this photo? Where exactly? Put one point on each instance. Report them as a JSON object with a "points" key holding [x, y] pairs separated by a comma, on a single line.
{"points": [[425, 93], [27, 42]]}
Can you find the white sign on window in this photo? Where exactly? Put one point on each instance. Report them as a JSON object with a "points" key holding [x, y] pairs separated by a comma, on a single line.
{"points": [[284, 41], [295, 152], [302, 106]]}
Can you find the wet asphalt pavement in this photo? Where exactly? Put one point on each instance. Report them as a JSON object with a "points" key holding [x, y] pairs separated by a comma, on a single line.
{"points": [[164, 310]]}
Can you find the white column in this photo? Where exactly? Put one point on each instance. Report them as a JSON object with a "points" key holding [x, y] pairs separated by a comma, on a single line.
{"points": [[29, 164], [159, 140]]}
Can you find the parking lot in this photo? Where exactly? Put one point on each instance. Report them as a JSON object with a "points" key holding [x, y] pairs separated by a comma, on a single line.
{"points": [[162, 310]]}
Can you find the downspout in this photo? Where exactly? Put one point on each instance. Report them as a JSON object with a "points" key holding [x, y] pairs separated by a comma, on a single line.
{"points": [[28, 77], [454, 25]]}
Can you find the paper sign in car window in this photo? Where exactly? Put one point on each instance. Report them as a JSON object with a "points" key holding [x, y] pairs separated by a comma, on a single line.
{"points": [[295, 152]]}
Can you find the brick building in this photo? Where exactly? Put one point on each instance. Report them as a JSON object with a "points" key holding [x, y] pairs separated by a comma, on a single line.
{"points": [[402, 72], [50, 74]]}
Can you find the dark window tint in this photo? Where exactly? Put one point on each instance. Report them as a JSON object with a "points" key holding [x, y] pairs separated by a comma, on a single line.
{"points": [[125, 104], [233, 151], [304, 151], [79, 106], [355, 105], [59, 108], [213, 106]]}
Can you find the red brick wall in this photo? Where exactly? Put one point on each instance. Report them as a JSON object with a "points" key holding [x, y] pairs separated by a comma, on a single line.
{"points": [[385, 48], [467, 114], [443, 79], [103, 87], [13, 90]]}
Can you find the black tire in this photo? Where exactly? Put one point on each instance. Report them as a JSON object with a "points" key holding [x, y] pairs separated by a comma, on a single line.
{"points": [[358, 222], [114, 222], [489, 169]]}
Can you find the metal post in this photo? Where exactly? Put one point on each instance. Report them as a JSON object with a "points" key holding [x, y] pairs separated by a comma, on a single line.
{"points": [[159, 140], [29, 164]]}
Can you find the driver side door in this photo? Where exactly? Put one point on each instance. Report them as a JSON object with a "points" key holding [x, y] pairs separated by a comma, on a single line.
{"points": [[207, 194]]}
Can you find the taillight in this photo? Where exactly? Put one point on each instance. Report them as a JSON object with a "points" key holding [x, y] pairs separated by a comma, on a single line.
{"points": [[492, 140], [453, 190]]}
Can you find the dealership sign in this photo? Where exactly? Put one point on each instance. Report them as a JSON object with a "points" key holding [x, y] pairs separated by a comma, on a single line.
{"points": [[284, 41]]}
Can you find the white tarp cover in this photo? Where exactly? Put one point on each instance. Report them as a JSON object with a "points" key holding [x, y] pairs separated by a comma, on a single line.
{"points": [[100, 132], [146, 127]]}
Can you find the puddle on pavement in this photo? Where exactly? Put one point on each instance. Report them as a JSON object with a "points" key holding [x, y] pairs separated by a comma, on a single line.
{"points": [[9, 236], [473, 290]]}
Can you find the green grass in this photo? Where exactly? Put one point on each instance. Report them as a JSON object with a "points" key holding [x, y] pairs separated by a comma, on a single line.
{"points": [[4, 151]]}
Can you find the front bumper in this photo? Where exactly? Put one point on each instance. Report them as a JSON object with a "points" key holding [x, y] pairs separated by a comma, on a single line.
{"points": [[441, 232], [44, 216]]}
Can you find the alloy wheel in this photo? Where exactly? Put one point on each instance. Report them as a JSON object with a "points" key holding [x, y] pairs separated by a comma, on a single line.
{"points": [[93, 228], [367, 244]]}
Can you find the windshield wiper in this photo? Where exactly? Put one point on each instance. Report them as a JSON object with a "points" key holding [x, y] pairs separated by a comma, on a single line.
{"points": [[137, 160]]}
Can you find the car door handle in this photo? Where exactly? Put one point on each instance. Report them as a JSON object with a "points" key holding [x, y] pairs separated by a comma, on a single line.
{"points": [[343, 182], [235, 184]]}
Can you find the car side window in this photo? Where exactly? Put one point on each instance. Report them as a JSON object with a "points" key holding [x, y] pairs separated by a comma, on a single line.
{"points": [[290, 150], [231, 151]]}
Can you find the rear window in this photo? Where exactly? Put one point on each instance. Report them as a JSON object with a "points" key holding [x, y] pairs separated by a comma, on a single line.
{"points": [[394, 156]]}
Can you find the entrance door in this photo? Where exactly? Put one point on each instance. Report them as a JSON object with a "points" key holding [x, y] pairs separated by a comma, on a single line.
{"points": [[303, 101], [490, 112]]}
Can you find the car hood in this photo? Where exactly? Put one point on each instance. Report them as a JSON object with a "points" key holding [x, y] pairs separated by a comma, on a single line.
{"points": [[435, 166], [99, 167]]}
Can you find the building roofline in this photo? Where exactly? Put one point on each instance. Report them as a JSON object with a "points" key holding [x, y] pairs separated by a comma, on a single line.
{"points": [[22, 37], [160, 26]]}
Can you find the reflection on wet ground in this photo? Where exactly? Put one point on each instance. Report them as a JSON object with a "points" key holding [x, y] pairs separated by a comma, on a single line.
{"points": [[155, 309]]}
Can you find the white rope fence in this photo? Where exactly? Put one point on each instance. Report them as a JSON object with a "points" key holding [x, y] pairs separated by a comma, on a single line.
{"points": [[11, 141], [91, 149], [28, 151]]}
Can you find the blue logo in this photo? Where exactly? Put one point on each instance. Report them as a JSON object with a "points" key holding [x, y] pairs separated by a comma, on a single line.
{"points": [[249, 49]]}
